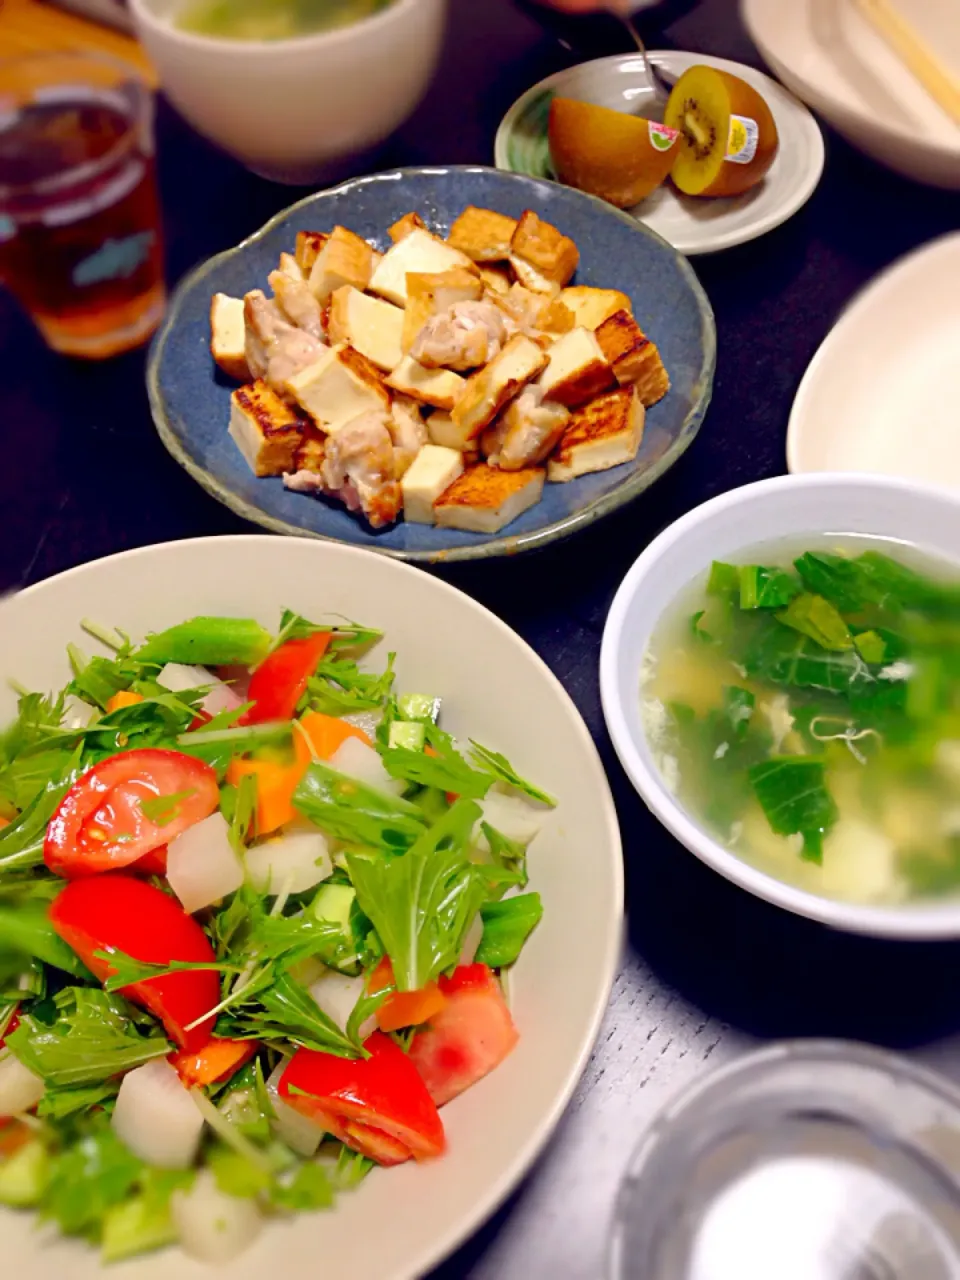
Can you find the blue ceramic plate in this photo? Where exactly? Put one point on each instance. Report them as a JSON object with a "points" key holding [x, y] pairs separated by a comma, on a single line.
{"points": [[190, 400]]}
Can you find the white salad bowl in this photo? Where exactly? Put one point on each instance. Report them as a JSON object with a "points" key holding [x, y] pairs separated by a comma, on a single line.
{"points": [[288, 108], [400, 1222], [787, 508]]}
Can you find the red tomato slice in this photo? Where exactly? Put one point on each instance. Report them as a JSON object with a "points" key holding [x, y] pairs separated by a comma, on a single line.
{"points": [[280, 681], [471, 1034], [376, 1105], [101, 824], [135, 917]]}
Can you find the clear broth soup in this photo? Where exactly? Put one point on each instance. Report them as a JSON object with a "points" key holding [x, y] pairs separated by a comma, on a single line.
{"points": [[272, 19], [804, 707]]}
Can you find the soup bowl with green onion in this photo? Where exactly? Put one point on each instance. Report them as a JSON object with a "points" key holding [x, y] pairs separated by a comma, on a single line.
{"points": [[780, 675], [289, 87]]}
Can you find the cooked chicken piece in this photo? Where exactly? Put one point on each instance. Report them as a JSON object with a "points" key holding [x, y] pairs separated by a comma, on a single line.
{"points": [[297, 303], [408, 432], [358, 468], [466, 336], [274, 348], [528, 431], [534, 315]]}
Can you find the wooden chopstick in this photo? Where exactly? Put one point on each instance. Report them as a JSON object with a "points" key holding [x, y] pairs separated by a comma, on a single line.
{"points": [[914, 52]]}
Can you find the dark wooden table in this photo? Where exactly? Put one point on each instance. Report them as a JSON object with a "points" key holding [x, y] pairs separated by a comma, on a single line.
{"points": [[708, 970]]}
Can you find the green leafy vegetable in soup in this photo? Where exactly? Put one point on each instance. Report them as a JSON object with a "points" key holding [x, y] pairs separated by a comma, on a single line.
{"points": [[807, 709], [272, 19]]}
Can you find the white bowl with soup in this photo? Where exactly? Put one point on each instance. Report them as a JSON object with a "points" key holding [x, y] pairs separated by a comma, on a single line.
{"points": [[780, 675], [289, 86]]}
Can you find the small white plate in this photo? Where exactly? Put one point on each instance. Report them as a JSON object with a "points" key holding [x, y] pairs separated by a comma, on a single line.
{"points": [[831, 57], [883, 392], [691, 225]]}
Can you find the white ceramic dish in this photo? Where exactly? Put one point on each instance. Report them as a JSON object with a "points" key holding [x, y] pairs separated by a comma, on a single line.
{"points": [[786, 507], [827, 53], [403, 1221], [881, 393], [288, 108], [691, 226]]}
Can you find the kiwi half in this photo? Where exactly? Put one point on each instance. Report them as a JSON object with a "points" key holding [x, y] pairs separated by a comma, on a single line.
{"points": [[728, 138]]}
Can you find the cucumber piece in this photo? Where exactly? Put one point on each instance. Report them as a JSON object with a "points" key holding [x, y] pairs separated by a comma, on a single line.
{"points": [[333, 903], [136, 1226], [23, 1177], [408, 733], [418, 706]]}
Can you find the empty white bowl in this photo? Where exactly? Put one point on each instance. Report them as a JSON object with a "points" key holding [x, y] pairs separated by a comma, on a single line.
{"points": [[788, 507], [288, 108], [400, 1222], [830, 56]]}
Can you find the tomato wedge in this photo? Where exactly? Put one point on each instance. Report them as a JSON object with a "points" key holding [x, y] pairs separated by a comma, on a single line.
{"points": [[377, 1105], [403, 1008], [130, 915], [106, 820], [279, 682], [217, 1060], [471, 1034], [153, 863]]}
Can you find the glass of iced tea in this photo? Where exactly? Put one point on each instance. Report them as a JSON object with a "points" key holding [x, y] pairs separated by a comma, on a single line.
{"points": [[80, 239]]}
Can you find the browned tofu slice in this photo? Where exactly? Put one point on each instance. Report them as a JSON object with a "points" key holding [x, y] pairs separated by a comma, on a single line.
{"points": [[228, 336], [489, 389], [603, 434], [591, 307], [403, 226], [266, 430], [485, 499], [553, 255], [483, 234], [577, 370], [634, 359], [309, 244], [310, 454], [344, 259]]}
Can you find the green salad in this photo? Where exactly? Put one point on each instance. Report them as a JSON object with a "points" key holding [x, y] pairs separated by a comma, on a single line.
{"points": [[807, 708], [255, 906]]}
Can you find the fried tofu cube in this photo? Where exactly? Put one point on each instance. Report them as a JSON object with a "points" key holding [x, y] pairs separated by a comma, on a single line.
{"points": [[337, 387], [433, 470], [577, 369], [553, 255], [369, 325], [228, 336], [440, 388], [485, 499], [344, 259], [309, 244], [417, 252], [403, 226], [603, 434], [266, 430], [489, 389], [430, 293], [442, 430], [634, 359], [591, 307], [496, 278], [534, 280], [312, 450], [483, 234]]}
